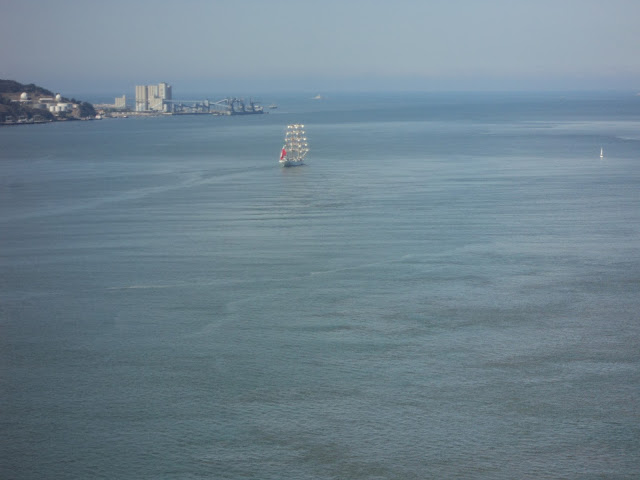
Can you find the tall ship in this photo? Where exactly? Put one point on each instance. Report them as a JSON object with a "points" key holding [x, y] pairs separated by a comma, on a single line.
{"points": [[295, 146]]}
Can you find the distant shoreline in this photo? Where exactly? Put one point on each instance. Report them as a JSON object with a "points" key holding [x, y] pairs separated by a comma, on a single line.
{"points": [[45, 122]]}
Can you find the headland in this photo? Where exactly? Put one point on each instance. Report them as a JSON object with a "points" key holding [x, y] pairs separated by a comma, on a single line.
{"points": [[22, 104]]}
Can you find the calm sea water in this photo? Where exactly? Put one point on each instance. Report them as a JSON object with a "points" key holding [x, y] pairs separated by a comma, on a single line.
{"points": [[450, 288]]}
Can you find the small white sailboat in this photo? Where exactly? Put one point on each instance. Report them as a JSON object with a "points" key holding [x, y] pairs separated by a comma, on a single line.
{"points": [[601, 153], [295, 146]]}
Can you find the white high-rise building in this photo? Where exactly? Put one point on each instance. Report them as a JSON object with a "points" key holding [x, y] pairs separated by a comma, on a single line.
{"points": [[142, 99], [153, 97], [164, 90], [121, 102]]}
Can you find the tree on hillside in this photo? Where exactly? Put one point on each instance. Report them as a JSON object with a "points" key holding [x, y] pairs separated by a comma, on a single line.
{"points": [[86, 110]]}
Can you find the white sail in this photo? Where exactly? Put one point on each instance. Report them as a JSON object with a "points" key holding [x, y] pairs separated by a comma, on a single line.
{"points": [[601, 153], [295, 146]]}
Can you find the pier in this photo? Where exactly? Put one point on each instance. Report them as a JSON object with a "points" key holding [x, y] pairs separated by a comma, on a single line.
{"points": [[226, 106]]}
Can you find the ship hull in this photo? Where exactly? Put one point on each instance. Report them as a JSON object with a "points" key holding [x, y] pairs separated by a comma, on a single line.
{"points": [[291, 163]]}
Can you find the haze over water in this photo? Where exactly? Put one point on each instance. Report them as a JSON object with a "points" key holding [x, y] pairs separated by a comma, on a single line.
{"points": [[448, 289]]}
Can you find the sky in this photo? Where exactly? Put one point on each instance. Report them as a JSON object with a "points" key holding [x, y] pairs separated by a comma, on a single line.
{"points": [[239, 46]]}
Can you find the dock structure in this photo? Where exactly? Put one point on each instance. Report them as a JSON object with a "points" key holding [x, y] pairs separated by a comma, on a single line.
{"points": [[226, 106]]}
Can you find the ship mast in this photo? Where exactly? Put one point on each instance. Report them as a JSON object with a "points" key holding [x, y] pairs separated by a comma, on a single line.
{"points": [[296, 142]]}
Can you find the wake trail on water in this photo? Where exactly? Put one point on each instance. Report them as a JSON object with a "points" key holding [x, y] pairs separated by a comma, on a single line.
{"points": [[193, 180]]}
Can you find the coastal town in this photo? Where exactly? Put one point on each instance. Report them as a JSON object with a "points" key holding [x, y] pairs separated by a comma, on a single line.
{"points": [[158, 99], [22, 104]]}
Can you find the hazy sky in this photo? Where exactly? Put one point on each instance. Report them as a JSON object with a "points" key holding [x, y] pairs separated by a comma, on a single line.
{"points": [[322, 45]]}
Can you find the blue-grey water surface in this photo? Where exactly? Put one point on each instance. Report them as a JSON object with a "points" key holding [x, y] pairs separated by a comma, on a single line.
{"points": [[450, 288]]}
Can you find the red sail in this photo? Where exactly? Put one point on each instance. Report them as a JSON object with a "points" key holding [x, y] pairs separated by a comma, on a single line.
{"points": [[283, 154]]}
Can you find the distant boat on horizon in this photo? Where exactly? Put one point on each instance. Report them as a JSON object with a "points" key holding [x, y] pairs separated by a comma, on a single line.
{"points": [[601, 153]]}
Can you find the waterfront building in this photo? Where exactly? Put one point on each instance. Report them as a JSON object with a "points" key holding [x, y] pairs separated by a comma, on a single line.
{"points": [[164, 90], [153, 98], [60, 107], [121, 102], [142, 99]]}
